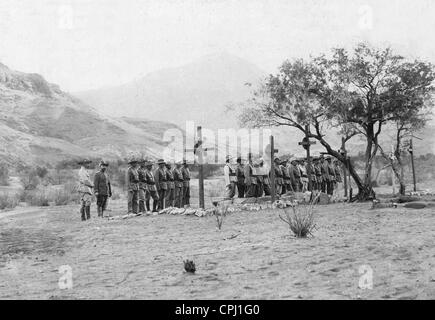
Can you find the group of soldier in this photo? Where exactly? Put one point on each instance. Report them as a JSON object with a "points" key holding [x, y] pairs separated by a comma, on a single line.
{"points": [[168, 185], [252, 179]]}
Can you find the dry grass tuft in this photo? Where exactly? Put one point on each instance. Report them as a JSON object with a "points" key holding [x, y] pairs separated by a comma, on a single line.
{"points": [[300, 219]]}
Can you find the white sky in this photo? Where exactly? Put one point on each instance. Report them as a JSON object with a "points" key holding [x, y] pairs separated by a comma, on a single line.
{"points": [[84, 44]]}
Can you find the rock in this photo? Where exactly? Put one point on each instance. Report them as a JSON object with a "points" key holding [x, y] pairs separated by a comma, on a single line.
{"points": [[323, 198], [416, 205]]}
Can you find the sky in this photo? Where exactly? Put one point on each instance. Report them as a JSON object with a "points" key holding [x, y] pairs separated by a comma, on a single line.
{"points": [[88, 44]]}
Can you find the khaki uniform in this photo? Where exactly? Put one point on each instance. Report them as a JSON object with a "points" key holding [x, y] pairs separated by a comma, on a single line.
{"points": [[133, 190], [162, 186], [142, 189], [178, 181], [186, 186], [102, 190], [85, 192], [170, 192], [151, 190]]}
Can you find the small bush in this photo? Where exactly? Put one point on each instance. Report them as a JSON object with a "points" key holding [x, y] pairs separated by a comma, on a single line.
{"points": [[8, 201], [300, 219], [38, 198]]}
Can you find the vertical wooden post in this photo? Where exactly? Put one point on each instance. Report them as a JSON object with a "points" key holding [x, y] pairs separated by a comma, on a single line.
{"points": [[200, 168], [411, 151]]}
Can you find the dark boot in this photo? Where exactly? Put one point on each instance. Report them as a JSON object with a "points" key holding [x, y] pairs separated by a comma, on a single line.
{"points": [[147, 203], [88, 212], [154, 206], [82, 212]]}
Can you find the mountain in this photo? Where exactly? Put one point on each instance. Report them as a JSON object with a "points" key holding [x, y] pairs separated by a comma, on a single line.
{"points": [[41, 123], [198, 91]]}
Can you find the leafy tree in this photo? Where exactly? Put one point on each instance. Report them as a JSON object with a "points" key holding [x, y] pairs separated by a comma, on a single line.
{"points": [[357, 92]]}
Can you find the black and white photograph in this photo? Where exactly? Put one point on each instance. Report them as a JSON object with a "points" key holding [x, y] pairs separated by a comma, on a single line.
{"points": [[217, 150]]}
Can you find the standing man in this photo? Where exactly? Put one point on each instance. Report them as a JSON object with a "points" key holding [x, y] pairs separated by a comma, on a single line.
{"points": [[285, 177], [266, 179], [304, 176], [133, 186], [142, 186], [240, 178], [186, 184], [151, 190], [250, 181], [170, 192], [162, 186], [278, 176], [178, 181], [230, 179], [331, 172], [339, 180], [85, 190], [295, 175], [318, 171], [102, 188]]}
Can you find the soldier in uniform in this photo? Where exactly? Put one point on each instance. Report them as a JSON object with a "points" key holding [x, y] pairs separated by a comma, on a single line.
{"points": [[286, 185], [85, 190], [331, 172], [240, 178], [178, 181], [250, 181], [278, 176], [318, 171], [266, 179], [133, 186], [142, 186], [170, 192], [102, 188], [325, 174], [304, 176], [230, 179], [295, 175], [151, 189], [161, 183], [338, 177], [186, 184]]}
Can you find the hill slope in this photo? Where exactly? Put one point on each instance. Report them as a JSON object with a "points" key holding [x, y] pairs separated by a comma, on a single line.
{"points": [[198, 91], [41, 123]]}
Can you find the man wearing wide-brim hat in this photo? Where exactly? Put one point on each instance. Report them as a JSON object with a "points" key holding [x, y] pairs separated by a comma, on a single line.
{"points": [[132, 185], [186, 184], [151, 191], [161, 182], [102, 188], [230, 178], [85, 189]]}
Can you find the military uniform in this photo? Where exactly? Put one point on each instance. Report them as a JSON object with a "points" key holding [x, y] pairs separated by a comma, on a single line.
{"points": [[102, 189], [240, 181], [266, 181], [142, 188], [161, 183], [278, 179], [186, 184], [250, 181], [318, 172], [170, 192], [230, 181], [286, 185], [295, 176], [178, 181], [331, 183], [85, 191], [151, 190], [133, 188]]}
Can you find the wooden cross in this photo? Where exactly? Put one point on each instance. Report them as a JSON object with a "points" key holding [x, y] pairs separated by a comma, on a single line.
{"points": [[306, 143], [198, 150], [272, 168]]}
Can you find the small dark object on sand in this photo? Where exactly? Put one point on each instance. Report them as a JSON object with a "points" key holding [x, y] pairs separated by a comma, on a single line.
{"points": [[189, 266]]}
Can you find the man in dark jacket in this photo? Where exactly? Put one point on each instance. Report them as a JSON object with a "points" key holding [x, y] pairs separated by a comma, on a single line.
{"points": [[240, 178], [161, 182], [102, 188], [186, 184], [133, 186]]}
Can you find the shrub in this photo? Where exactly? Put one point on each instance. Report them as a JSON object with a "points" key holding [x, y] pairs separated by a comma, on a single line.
{"points": [[38, 198], [8, 202], [300, 219]]}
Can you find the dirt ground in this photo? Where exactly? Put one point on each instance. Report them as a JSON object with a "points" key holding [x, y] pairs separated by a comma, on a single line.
{"points": [[252, 257]]}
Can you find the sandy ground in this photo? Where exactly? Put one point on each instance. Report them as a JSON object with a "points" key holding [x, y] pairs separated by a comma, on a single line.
{"points": [[252, 257]]}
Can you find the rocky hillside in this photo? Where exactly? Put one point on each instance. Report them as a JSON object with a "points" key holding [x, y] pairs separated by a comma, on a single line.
{"points": [[41, 123]]}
